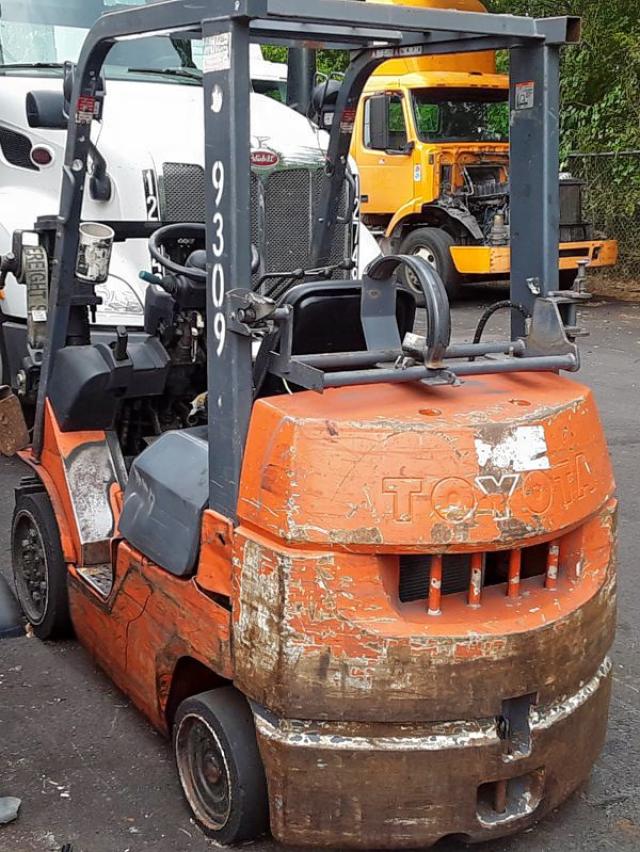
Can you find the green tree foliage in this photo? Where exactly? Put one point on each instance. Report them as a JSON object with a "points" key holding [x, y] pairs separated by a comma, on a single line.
{"points": [[600, 77], [329, 61]]}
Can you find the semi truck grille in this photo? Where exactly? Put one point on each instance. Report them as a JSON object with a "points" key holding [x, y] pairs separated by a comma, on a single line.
{"points": [[430, 577], [283, 209], [182, 193]]}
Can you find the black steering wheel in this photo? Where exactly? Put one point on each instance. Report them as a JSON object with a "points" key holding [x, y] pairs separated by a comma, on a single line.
{"points": [[185, 230]]}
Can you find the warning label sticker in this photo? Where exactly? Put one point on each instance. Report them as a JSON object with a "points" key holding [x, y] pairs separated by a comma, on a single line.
{"points": [[525, 95], [86, 109], [217, 53]]}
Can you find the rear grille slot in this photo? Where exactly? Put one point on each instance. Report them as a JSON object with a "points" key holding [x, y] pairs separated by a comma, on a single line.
{"points": [[430, 577], [284, 206], [16, 149], [415, 572]]}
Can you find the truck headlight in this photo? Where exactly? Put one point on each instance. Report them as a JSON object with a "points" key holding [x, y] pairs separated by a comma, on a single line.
{"points": [[119, 297]]}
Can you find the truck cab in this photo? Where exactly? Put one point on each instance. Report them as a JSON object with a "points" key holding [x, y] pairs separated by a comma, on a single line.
{"points": [[432, 144]]}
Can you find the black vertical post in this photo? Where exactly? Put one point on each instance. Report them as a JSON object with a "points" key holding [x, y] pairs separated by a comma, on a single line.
{"points": [[534, 175], [63, 280], [301, 75], [227, 199]]}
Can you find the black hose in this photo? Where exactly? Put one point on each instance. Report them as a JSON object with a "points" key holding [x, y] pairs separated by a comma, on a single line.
{"points": [[491, 310]]}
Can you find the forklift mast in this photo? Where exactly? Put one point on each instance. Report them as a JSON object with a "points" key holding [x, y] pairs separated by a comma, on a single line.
{"points": [[373, 34]]}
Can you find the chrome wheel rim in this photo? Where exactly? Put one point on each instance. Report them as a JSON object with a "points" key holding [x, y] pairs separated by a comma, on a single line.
{"points": [[426, 254]]}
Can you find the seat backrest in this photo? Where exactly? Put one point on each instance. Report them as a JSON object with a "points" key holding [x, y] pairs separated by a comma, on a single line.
{"points": [[326, 316]]}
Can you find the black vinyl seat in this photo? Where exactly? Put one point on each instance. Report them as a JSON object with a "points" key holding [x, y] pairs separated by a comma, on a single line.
{"points": [[327, 316]]}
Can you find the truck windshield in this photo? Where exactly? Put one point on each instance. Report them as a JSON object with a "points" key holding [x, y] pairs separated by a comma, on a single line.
{"points": [[461, 115], [38, 36]]}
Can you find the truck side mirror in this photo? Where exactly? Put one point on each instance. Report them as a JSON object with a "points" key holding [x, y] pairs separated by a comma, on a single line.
{"points": [[378, 122], [46, 110]]}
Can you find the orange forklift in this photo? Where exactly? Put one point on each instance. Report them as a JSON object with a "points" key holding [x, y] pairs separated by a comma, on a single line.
{"points": [[363, 576]]}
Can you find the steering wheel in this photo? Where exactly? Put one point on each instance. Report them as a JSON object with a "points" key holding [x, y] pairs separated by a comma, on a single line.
{"points": [[185, 230]]}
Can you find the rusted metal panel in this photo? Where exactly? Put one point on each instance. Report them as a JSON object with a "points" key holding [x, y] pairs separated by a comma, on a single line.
{"points": [[370, 786], [150, 621], [14, 435], [498, 463], [324, 636]]}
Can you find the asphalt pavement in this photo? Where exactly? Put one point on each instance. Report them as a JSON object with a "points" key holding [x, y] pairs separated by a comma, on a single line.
{"points": [[92, 773]]}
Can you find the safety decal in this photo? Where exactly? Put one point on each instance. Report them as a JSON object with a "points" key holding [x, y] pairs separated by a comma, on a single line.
{"points": [[525, 95], [86, 109]]}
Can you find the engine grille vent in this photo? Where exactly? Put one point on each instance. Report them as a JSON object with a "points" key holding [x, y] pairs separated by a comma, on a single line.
{"points": [[16, 149], [182, 193], [283, 209]]}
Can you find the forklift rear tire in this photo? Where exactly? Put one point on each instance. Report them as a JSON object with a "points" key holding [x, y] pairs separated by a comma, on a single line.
{"points": [[39, 569], [434, 245], [219, 765]]}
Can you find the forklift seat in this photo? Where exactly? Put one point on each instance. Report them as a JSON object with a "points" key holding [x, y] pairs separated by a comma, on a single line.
{"points": [[326, 316], [167, 492]]}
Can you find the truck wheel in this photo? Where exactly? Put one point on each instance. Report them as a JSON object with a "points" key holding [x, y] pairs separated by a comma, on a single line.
{"points": [[39, 569], [219, 765], [434, 245]]}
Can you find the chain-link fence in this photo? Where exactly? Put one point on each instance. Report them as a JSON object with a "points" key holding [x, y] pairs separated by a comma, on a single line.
{"points": [[612, 203]]}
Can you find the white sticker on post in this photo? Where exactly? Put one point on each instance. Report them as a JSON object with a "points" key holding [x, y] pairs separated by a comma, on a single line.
{"points": [[525, 95], [217, 53], [521, 449]]}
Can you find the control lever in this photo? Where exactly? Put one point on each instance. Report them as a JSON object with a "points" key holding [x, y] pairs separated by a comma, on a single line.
{"points": [[121, 343]]}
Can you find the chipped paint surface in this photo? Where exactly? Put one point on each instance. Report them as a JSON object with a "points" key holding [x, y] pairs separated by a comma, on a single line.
{"points": [[347, 770], [321, 634], [452, 735], [486, 471], [548, 716]]}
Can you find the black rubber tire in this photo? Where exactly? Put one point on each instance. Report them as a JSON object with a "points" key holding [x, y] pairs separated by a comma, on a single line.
{"points": [[438, 243], [55, 622], [226, 714]]}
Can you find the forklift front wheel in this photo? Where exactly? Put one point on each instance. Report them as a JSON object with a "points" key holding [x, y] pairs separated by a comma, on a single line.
{"points": [[39, 569], [219, 765], [434, 245]]}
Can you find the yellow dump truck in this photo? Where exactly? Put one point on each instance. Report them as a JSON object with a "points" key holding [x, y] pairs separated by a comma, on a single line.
{"points": [[432, 145]]}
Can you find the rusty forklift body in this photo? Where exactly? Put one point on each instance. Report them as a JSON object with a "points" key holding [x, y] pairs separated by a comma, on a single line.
{"points": [[409, 577]]}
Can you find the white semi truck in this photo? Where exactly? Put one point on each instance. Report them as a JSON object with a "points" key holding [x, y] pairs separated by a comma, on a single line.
{"points": [[152, 153]]}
